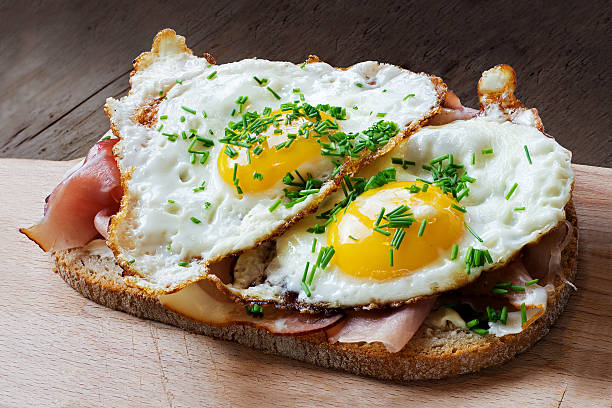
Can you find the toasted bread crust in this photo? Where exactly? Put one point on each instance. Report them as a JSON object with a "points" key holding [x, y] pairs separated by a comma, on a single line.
{"points": [[431, 354]]}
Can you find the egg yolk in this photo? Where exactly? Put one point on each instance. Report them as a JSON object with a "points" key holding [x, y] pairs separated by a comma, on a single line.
{"points": [[273, 162], [365, 253]]}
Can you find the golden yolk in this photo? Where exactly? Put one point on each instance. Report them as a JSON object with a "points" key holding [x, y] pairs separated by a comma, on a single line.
{"points": [[365, 253], [272, 163]]}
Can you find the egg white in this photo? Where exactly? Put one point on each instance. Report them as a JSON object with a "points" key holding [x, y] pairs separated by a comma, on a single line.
{"points": [[544, 188], [158, 234]]}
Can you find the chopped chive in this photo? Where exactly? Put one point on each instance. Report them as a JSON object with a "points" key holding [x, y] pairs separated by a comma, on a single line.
{"points": [[472, 323], [132, 261], [302, 98], [517, 288], [207, 205], [277, 96], [195, 220], [499, 291], [519, 209], [382, 231], [391, 256], [523, 314], [305, 272], [397, 160], [491, 314], [186, 109], [359, 84], [275, 205], [353, 238], [456, 207], [204, 113], [503, 316], [182, 119], [160, 128], [511, 191], [233, 112], [184, 264], [473, 158], [171, 201], [425, 187], [438, 159], [314, 245], [454, 252], [408, 96], [164, 117], [259, 81], [381, 114], [296, 90], [527, 153], [306, 289], [257, 176], [531, 282], [161, 93], [422, 229], [211, 76], [488, 256], [482, 332], [487, 151], [472, 232], [384, 90], [477, 257], [178, 81], [380, 216], [503, 284], [303, 65]]}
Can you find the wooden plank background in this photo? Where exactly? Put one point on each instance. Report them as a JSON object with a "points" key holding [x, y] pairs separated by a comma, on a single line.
{"points": [[60, 60], [60, 349]]}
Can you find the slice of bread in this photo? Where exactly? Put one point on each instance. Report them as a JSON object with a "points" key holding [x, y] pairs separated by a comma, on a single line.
{"points": [[430, 354]]}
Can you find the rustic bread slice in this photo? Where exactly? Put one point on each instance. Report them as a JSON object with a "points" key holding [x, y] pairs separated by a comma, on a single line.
{"points": [[431, 354]]}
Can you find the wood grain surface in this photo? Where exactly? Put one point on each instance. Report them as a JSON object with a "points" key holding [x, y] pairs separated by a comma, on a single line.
{"points": [[59, 349], [61, 60]]}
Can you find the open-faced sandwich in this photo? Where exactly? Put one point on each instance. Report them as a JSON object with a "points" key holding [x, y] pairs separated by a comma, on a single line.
{"points": [[358, 218]]}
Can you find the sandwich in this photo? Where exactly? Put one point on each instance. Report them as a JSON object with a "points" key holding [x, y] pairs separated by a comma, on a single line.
{"points": [[360, 218]]}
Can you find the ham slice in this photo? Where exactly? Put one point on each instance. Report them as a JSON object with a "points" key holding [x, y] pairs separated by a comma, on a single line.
{"points": [[204, 303], [392, 328], [452, 110], [81, 205]]}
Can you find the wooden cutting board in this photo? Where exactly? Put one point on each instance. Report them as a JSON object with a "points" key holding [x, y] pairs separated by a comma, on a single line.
{"points": [[59, 349]]}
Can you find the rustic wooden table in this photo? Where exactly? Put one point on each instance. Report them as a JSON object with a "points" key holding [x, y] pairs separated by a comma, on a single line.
{"points": [[61, 60]]}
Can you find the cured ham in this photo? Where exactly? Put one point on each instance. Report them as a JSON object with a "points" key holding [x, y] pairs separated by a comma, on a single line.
{"points": [[393, 328], [452, 110], [204, 303], [80, 207]]}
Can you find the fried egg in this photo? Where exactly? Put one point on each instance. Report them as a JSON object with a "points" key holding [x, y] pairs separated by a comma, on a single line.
{"points": [[217, 158], [447, 204]]}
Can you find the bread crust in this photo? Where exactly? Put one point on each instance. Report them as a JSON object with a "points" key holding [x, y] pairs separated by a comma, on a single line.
{"points": [[431, 354]]}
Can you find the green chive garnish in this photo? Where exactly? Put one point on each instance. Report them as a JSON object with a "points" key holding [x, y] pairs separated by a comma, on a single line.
{"points": [[186, 109], [454, 252], [391, 256], [211, 76], [408, 96], [517, 288], [499, 291], [528, 155], [359, 84], [472, 323], [195, 220], [303, 65], [204, 113], [381, 114], [184, 264], [472, 232], [531, 282], [178, 81], [482, 332], [511, 191], [422, 229], [473, 158], [523, 314], [519, 209], [164, 117], [171, 201], [487, 151], [314, 245], [503, 316], [456, 207], [353, 238], [296, 90], [306, 289], [132, 261], [275, 205], [277, 96]]}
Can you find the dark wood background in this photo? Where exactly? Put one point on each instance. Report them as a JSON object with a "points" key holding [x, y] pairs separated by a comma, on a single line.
{"points": [[59, 61]]}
